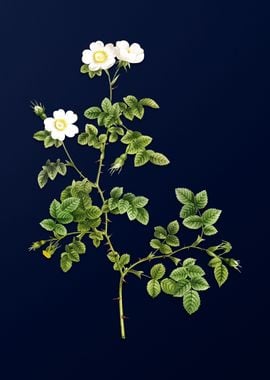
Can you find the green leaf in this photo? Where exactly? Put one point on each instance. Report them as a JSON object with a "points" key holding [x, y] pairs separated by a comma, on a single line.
{"points": [[129, 197], [215, 261], [209, 230], [160, 232], [165, 249], [142, 216], [195, 271], [139, 144], [141, 158], [193, 222], [74, 256], [221, 274], [54, 208], [91, 130], [70, 204], [153, 288], [92, 113], [51, 170], [61, 168], [41, 135], [181, 287], [199, 283], [130, 136], [83, 138], [66, 193], [122, 206], [189, 261], [132, 212], [124, 259], [49, 141], [131, 101], [140, 201], [201, 199], [84, 69], [42, 178], [47, 224], [64, 217], [188, 210], [157, 271], [168, 286], [148, 102], [93, 212], [128, 113], [116, 192], [179, 274], [173, 227], [155, 243], [184, 195], [175, 260], [191, 301], [113, 204], [172, 240], [138, 111], [211, 216], [158, 158], [61, 230], [79, 246], [65, 262], [106, 105]]}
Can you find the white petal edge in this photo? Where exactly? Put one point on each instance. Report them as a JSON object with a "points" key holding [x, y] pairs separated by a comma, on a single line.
{"points": [[58, 135], [49, 123], [71, 130], [71, 117], [94, 46], [59, 114], [122, 44]]}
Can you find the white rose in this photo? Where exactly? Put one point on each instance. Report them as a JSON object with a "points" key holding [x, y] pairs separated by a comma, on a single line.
{"points": [[61, 124], [129, 53], [99, 56]]}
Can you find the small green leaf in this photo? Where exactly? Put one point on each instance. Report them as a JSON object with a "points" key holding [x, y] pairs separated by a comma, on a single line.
{"points": [[122, 206], [153, 288], [79, 246], [113, 204], [155, 243], [189, 261], [195, 271], [131, 101], [70, 204], [157, 158], [61, 230], [124, 259], [42, 178], [193, 222], [64, 217], [92, 113], [175, 260], [61, 168], [84, 69], [160, 232], [49, 141], [173, 227], [215, 261], [41, 135], [201, 199], [142, 216], [179, 274], [47, 224], [157, 271], [181, 287], [106, 105], [148, 102], [83, 138], [184, 195], [51, 169], [55, 207], [116, 192], [74, 256], [221, 274], [132, 212], [209, 230], [188, 210], [65, 262], [172, 240], [141, 158], [191, 301], [168, 286], [93, 212], [140, 201], [211, 216], [165, 249], [199, 283]]}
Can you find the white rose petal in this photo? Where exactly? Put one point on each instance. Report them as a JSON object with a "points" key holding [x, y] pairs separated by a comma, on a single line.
{"points": [[99, 56], [129, 53], [61, 124]]}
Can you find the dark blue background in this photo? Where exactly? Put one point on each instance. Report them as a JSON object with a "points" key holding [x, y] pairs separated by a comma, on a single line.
{"points": [[207, 65]]}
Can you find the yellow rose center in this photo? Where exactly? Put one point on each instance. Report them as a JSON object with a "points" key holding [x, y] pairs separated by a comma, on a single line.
{"points": [[60, 124], [100, 56]]}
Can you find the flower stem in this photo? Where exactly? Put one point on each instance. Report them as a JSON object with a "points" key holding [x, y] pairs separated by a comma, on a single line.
{"points": [[72, 163], [121, 308]]}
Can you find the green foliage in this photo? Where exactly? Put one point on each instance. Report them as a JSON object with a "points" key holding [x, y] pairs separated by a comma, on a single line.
{"points": [[50, 171], [85, 70], [135, 107], [72, 254], [90, 137], [165, 238], [129, 204], [153, 288], [221, 273], [47, 140], [157, 271], [191, 301]]}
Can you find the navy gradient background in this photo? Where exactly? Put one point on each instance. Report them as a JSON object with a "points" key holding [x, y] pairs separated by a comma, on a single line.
{"points": [[207, 65]]}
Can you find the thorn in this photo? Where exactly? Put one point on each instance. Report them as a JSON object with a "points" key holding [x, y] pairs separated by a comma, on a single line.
{"points": [[116, 299], [124, 317]]}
